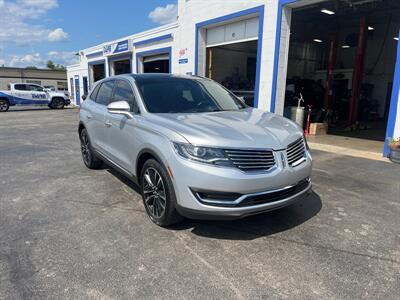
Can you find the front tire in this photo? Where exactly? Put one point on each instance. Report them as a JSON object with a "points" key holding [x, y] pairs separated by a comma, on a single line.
{"points": [[4, 105], [89, 158], [158, 194], [57, 103]]}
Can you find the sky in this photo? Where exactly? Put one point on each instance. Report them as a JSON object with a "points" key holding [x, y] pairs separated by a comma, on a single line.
{"points": [[35, 31]]}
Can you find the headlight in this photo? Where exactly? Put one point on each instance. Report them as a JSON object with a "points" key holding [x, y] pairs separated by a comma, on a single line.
{"points": [[207, 155]]}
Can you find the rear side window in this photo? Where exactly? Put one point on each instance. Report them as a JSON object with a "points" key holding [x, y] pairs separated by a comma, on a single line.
{"points": [[20, 87], [123, 92], [105, 92]]}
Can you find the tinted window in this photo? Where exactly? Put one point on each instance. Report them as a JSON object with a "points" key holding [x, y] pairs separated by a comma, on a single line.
{"points": [[123, 92], [186, 95], [94, 92], [105, 92], [20, 87], [37, 88]]}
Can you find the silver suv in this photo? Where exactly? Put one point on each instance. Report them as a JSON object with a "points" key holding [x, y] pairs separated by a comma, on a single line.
{"points": [[194, 148]]}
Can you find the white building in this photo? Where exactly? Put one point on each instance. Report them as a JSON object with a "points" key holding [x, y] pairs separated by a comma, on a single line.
{"points": [[56, 79], [259, 48]]}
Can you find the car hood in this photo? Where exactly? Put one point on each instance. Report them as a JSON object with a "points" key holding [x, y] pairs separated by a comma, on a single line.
{"points": [[57, 94], [248, 128]]}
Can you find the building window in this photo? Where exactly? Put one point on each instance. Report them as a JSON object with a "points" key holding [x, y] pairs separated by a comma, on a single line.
{"points": [[62, 86], [38, 82]]}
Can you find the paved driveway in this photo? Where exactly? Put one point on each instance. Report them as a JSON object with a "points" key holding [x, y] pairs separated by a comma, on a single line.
{"points": [[69, 232]]}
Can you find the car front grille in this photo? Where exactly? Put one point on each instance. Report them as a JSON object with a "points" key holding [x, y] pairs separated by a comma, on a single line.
{"points": [[296, 153], [251, 160]]}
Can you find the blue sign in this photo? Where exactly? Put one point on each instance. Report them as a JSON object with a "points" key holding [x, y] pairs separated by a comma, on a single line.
{"points": [[183, 61], [121, 47]]}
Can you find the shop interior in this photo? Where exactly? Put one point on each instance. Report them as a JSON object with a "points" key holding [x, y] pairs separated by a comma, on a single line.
{"points": [[98, 72], [156, 63], [341, 63], [234, 66], [122, 67]]}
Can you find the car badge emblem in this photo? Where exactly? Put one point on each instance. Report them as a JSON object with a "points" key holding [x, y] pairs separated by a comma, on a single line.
{"points": [[283, 160]]}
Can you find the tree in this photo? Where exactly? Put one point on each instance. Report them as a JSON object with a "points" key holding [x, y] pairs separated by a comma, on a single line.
{"points": [[31, 67], [52, 66]]}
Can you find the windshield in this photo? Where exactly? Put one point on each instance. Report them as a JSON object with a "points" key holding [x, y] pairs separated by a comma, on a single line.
{"points": [[185, 95]]}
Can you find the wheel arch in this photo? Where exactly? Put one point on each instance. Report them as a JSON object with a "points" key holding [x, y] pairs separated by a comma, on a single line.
{"points": [[3, 97], [7, 101], [143, 156], [81, 127]]}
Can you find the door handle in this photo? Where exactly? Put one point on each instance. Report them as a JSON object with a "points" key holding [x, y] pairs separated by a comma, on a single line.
{"points": [[108, 123]]}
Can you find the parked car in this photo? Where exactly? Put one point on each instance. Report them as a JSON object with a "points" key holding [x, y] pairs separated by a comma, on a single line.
{"points": [[52, 88], [31, 94], [193, 147]]}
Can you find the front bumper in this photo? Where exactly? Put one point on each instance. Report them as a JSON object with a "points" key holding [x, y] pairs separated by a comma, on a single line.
{"points": [[190, 178]]}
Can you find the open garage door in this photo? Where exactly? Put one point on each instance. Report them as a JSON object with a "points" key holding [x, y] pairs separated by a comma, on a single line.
{"points": [[341, 60], [156, 63], [232, 57], [96, 72], [122, 67]]}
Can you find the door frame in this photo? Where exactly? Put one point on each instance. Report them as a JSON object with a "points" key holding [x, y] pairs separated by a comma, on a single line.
{"points": [[202, 26], [140, 55], [112, 59], [77, 90]]}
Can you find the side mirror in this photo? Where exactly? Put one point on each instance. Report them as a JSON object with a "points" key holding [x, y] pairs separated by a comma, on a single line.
{"points": [[120, 108], [83, 97]]}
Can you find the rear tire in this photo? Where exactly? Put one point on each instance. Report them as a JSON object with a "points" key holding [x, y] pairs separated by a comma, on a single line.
{"points": [[89, 158], [158, 194], [57, 103], [4, 105]]}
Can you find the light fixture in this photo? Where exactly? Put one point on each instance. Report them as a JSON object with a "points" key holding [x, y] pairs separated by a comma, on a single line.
{"points": [[317, 40], [396, 38], [345, 46], [370, 28], [327, 11]]}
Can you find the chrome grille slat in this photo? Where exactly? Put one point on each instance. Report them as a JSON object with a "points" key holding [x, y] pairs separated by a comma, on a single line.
{"points": [[296, 152], [256, 159], [247, 152], [296, 147], [252, 163], [251, 167], [238, 156], [251, 160]]}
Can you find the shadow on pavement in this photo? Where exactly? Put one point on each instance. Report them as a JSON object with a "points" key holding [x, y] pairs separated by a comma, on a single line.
{"points": [[249, 228], [122, 178], [257, 226]]}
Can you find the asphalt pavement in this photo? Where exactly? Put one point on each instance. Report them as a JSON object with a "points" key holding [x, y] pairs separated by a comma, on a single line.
{"points": [[67, 232]]}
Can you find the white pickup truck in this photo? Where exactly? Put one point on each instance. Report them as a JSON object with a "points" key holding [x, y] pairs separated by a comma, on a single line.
{"points": [[31, 94]]}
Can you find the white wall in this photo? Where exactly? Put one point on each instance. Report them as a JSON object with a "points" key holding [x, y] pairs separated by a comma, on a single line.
{"points": [[195, 11], [80, 70]]}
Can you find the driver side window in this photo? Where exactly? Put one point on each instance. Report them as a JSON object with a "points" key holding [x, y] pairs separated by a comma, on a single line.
{"points": [[123, 92]]}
